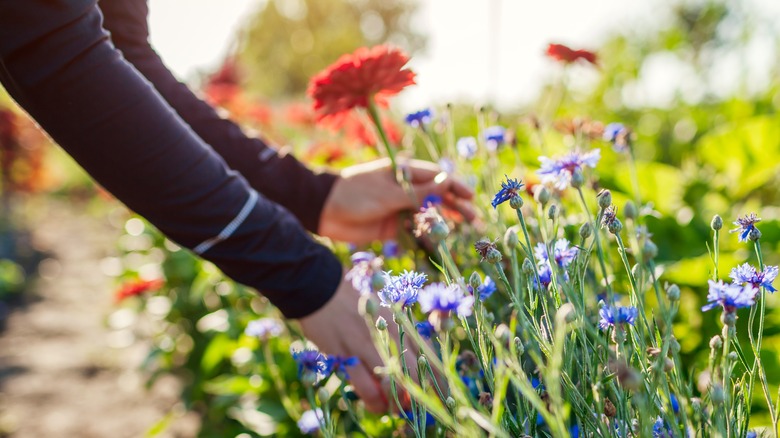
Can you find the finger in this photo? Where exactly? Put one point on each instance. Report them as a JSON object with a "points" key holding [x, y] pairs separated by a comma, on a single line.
{"points": [[368, 388]]}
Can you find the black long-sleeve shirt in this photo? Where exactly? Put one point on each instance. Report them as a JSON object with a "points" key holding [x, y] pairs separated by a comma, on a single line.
{"points": [[58, 63]]}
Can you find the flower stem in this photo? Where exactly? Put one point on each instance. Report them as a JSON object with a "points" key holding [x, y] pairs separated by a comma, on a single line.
{"points": [[373, 112], [597, 239]]}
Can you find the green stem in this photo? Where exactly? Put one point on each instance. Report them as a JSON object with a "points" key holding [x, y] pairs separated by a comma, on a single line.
{"points": [[374, 114], [597, 239]]}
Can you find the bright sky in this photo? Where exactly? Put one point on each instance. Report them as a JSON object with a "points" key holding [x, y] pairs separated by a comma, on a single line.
{"points": [[477, 49]]}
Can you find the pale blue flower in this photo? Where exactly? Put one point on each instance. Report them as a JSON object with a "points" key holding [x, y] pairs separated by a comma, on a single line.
{"points": [[612, 316], [559, 171], [730, 296], [401, 289], [747, 274], [467, 147], [311, 421], [439, 297]]}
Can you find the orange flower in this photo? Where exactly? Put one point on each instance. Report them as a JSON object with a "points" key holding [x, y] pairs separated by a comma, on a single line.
{"points": [[567, 55], [135, 288], [354, 79]]}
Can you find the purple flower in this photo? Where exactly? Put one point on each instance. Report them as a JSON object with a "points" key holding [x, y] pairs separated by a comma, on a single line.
{"points": [[264, 328], [431, 200], [364, 265], [401, 289], [420, 118], [660, 429], [559, 171], [612, 316], [390, 249], [609, 217], [618, 135], [564, 255], [748, 274], [745, 225], [730, 296], [311, 421], [486, 289], [545, 276], [339, 364], [425, 329], [310, 361], [509, 190], [447, 165], [467, 147], [438, 297], [494, 137]]}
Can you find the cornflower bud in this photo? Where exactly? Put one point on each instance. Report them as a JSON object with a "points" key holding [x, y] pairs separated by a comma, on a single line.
{"points": [[649, 250], [377, 281], [503, 333], [451, 405], [519, 346], [323, 395], [585, 230], [605, 199], [381, 324], [510, 238], [674, 346], [552, 212], [733, 356], [439, 231], [716, 343], [475, 281], [629, 211], [729, 319], [754, 235], [673, 292], [493, 256], [528, 267], [717, 223], [370, 307], [422, 361], [717, 395], [615, 227], [542, 195], [516, 202], [577, 178]]}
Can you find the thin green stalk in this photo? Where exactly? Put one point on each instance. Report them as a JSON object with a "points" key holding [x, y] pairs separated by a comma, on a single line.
{"points": [[374, 114], [597, 239]]}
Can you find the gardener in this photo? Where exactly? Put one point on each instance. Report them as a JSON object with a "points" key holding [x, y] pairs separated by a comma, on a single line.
{"points": [[169, 157]]}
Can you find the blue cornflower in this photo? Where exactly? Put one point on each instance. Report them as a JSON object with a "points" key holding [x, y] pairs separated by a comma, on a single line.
{"points": [[660, 429], [559, 171], [311, 421], [401, 289], [618, 135], [564, 255], [391, 249], [310, 361], [264, 328], [675, 404], [745, 225], [339, 364], [509, 190], [443, 299], [364, 265], [730, 296], [748, 274], [751, 434], [494, 137], [467, 147], [425, 329], [446, 165], [486, 289], [419, 118], [545, 276], [431, 200], [612, 316]]}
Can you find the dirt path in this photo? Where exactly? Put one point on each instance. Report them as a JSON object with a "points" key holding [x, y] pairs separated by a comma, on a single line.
{"points": [[61, 373]]}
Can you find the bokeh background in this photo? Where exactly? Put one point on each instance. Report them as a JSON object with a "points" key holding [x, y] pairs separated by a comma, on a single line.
{"points": [[696, 80]]}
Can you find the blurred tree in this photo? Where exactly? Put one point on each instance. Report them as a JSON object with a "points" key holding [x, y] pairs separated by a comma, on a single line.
{"points": [[288, 41]]}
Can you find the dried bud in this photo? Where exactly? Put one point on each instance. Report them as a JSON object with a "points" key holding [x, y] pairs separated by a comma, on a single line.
{"points": [[629, 211], [716, 343], [717, 223], [577, 178], [673, 292], [483, 246], [605, 199], [516, 202], [649, 250], [615, 226], [609, 408], [486, 399], [552, 212], [510, 238], [754, 234], [381, 324], [542, 195], [585, 230], [528, 267], [493, 256]]}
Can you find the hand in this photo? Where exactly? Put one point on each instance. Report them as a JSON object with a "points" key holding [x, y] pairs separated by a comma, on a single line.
{"points": [[364, 203], [339, 329]]}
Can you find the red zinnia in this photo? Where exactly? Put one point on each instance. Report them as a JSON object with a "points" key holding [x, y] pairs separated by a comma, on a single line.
{"points": [[567, 55], [135, 288], [354, 79]]}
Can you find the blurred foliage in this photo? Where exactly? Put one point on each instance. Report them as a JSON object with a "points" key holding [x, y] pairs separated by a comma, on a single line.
{"points": [[288, 41]]}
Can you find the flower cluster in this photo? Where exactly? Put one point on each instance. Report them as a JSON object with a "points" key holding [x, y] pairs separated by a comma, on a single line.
{"points": [[558, 172], [617, 316]]}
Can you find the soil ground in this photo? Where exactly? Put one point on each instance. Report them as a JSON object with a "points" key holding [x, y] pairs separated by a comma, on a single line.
{"points": [[63, 372]]}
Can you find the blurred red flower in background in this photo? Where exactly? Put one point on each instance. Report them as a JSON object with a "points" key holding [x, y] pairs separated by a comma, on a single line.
{"points": [[135, 288], [567, 55], [223, 86], [354, 79]]}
